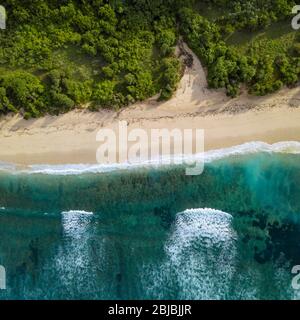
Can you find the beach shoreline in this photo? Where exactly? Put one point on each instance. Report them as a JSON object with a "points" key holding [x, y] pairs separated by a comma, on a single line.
{"points": [[46, 145], [71, 138]]}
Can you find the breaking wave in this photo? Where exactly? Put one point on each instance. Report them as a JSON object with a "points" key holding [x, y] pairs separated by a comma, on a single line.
{"points": [[290, 147]]}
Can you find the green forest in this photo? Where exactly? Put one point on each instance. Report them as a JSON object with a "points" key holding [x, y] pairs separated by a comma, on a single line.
{"points": [[57, 55]]}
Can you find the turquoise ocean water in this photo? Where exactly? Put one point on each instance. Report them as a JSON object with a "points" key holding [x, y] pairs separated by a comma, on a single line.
{"points": [[78, 232]]}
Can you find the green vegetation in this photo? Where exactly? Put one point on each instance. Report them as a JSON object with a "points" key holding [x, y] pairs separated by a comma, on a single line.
{"points": [[244, 42], [56, 55]]}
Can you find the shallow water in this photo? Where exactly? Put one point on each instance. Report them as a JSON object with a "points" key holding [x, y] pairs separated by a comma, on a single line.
{"points": [[154, 233]]}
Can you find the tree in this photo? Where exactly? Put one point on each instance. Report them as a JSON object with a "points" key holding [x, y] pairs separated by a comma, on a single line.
{"points": [[25, 91], [171, 68], [104, 93]]}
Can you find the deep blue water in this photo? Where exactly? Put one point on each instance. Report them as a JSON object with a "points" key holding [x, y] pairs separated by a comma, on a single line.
{"points": [[154, 233]]}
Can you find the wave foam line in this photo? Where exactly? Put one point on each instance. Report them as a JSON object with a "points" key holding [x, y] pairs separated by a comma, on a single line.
{"points": [[77, 212], [289, 147]]}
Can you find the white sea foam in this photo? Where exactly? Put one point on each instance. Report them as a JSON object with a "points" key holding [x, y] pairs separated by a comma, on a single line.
{"points": [[200, 255], [290, 147], [77, 212], [75, 222], [73, 256], [210, 226], [7, 166], [203, 257]]}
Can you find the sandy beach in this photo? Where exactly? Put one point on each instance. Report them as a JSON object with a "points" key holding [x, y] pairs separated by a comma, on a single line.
{"points": [[71, 138]]}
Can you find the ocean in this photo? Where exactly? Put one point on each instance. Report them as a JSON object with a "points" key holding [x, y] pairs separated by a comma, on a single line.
{"points": [[151, 232]]}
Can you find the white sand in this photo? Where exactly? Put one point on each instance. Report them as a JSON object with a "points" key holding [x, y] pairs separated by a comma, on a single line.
{"points": [[71, 138]]}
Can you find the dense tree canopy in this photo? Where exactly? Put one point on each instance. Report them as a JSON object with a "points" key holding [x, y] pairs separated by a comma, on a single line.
{"points": [[59, 54]]}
